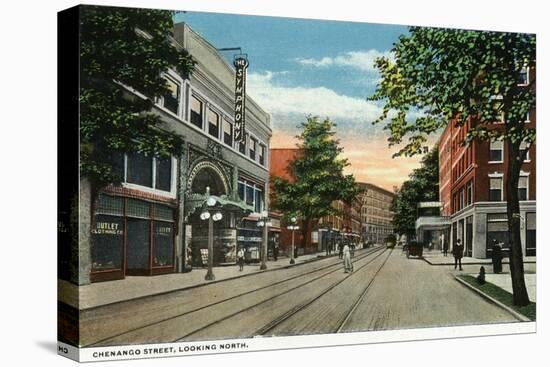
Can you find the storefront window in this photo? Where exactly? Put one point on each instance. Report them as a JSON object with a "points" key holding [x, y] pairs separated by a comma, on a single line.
{"points": [[164, 243], [107, 242], [531, 234], [137, 257], [497, 229]]}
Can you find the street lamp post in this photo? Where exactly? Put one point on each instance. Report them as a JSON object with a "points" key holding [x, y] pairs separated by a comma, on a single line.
{"points": [[208, 214], [293, 227], [265, 223]]}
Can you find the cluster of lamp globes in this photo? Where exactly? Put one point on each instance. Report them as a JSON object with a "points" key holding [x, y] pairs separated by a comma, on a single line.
{"points": [[293, 226], [264, 219], [206, 214]]}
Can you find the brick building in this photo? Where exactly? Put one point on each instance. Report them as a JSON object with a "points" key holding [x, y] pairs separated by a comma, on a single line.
{"points": [[376, 214], [472, 180], [343, 226]]}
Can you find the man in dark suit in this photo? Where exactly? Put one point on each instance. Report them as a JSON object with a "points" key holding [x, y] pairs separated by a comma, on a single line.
{"points": [[458, 252]]}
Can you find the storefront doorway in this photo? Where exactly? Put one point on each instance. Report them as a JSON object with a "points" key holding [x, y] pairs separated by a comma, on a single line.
{"points": [[225, 232]]}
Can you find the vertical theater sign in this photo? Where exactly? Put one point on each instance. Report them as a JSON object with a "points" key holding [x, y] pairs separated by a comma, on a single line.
{"points": [[241, 63]]}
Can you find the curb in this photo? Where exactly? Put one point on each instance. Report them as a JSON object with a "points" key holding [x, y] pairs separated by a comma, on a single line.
{"points": [[510, 310], [474, 263], [193, 286]]}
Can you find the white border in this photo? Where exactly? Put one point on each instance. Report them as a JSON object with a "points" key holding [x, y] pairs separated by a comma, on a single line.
{"points": [[29, 317], [146, 351]]}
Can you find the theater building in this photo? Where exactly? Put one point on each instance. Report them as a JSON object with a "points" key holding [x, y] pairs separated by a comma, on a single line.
{"points": [[472, 180], [151, 223]]}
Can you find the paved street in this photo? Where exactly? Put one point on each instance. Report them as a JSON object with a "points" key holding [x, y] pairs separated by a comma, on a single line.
{"points": [[386, 291]]}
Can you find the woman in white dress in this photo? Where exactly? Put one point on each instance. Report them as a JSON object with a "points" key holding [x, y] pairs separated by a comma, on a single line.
{"points": [[348, 266]]}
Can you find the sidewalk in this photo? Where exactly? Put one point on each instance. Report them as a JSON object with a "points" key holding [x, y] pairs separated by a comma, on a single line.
{"points": [[502, 280], [436, 257], [99, 294]]}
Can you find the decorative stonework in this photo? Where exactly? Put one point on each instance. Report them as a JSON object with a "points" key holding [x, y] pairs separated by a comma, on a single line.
{"points": [[214, 158], [202, 164], [214, 149]]}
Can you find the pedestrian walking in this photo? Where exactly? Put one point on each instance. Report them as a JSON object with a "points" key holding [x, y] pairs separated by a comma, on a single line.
{"points": [[348, 265], [445, 247], [497, 257], [458, 252], [340, 250], [276, 252], [240, 259]]}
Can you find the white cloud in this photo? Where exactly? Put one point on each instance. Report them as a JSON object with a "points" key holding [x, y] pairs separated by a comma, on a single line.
{"points": [[362, 60], [301, 101]]}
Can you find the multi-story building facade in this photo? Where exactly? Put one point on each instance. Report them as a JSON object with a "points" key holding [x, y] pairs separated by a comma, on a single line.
{"points": [[472, 189], [151, 223], [376, 214], [344, 225]]}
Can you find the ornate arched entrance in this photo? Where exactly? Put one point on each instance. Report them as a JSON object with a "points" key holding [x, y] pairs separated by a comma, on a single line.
{"points": [[207, 174]]}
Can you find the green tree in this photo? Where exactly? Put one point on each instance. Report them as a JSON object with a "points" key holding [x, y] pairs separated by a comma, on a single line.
{"points": [[319, 177], [440, 76], [422, 185], [124, 49]]}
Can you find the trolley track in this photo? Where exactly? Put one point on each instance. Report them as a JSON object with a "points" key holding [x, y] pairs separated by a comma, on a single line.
{"points": [[125, 336], [278, 324], [262, 308]]}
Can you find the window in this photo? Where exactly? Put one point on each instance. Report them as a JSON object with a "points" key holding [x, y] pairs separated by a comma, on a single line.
{"points": [[252, 194], [495, 188], [469, 193], [261, 155], [171, 100], [163, 173], [524, 76], [252, 148], [213, 124], [461, 202], [522, 148], [108, 234], [196, 112], [227, 132], [496, 151], [497, 229], [147, 171], [146, 228], [531, 234], [242, 145], [139, 169], [522, 188]]}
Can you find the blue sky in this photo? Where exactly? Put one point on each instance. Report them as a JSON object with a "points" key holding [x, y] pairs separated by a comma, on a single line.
{"points": [[319, 67]]}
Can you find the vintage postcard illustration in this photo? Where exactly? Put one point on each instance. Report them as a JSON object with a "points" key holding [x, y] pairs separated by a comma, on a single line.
{"points": [[232, 183]]}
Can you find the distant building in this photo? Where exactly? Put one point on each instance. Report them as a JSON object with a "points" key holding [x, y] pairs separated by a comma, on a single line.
{"points": [[472, 181], [376, 214], [345, 225]]}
